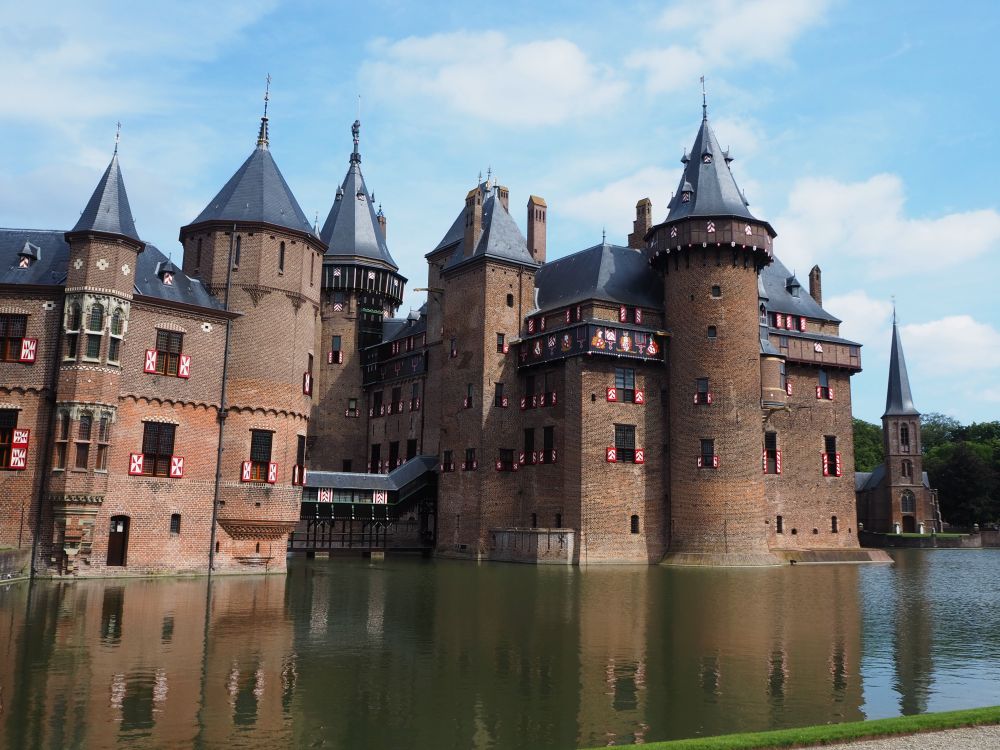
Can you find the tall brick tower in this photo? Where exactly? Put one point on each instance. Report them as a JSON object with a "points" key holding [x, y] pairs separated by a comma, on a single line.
{"points": [[100, 280], [710, 251], [911, 506], [361, 287], [275, 282]]}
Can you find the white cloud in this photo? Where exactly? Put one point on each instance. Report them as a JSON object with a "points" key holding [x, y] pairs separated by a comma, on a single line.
{"points": [[489, 77], [721, 34], [954, 344], [866, 320], [614, 204], [866, 222]]}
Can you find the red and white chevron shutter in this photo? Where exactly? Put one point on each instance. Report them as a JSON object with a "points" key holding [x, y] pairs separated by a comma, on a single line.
{"points": [[802, 323], [839, 469], [531, 325], [779, 320], [552, 398], [701, 462], [555, 455], [819, 391], [184, 366], [764, 459], [534, 457], [272, 473], [29, 348], [505, 402], [520, 458], [515, 467], [610, 454], [177, 467], [325, 496], [789, 322], [524, 403], [135, 461], [150, 362], [638, 316], [715, 461], [307, 384], [612, 393], [20, 437], [506, 348], [640, 396], [499, 465], [534, 401], [826, 465], [329, 358], [788, 387], [777, 462], [640, 455], [541, 323], [245, 474], [829, 393], [567, 315], [622, 314]]}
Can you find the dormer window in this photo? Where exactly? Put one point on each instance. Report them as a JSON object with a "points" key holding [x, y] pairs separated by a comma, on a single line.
{"points": [[706, 159], [166, 272], [685, 197], [28, 255]]}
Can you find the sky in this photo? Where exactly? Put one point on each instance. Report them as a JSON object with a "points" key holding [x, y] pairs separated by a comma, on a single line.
{"points": [[864, 132]]}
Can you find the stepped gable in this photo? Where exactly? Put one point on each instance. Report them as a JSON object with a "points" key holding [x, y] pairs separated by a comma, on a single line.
{"points": [[501, 238], [108, 210], [352, 226], [708, 182], [898, 398], [777, 282], [611, 273], [257, 193]]}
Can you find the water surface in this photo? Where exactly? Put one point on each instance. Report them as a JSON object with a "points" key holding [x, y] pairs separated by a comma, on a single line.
{"points": [[436, 654]]}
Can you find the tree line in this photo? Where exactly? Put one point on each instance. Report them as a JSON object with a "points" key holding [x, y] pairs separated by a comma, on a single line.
{"points": [[962, 463]]}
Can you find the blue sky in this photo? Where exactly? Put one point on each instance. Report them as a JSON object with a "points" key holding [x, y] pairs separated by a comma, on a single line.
{"points": [[862, 131]]}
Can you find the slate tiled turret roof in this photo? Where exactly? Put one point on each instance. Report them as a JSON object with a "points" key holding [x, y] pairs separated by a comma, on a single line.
{"points": [[603, 272], [352, 228], [709, 181], [776, 284], [898, 399], [108, 210], [257, 193], [501, 239]]}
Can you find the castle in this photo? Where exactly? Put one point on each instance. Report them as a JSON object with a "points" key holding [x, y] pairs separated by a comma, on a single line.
{"points": [[680, 399]]}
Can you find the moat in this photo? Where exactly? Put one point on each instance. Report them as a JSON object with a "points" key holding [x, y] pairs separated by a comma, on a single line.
{"points": [[417, 653]]}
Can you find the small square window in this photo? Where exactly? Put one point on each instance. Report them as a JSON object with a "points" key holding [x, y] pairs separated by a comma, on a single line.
{"points": [[716, 291], [712, 332]]}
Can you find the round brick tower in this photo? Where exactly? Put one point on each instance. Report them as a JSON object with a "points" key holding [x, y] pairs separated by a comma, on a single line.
{"points": [[710, 251]]}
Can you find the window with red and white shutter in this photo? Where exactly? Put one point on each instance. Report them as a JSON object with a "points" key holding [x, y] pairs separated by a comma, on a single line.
{"points": [[157, 458], [14, 442]]}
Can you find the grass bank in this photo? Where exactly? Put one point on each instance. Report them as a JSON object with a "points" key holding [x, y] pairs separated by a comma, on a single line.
{"points": [[830, 733]]}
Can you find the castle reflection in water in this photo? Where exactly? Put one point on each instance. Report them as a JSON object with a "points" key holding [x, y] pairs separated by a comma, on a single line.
{"points": [[416, 654]]}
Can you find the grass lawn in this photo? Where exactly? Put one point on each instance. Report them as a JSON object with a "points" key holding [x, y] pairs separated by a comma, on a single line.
{"points": [[828, 733]]}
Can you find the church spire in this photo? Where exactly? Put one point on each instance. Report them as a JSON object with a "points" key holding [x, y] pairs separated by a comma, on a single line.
{"points": [[898, 399]]}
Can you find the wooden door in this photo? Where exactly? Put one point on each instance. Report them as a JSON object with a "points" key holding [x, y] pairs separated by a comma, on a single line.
{"points": [[118, 541]]}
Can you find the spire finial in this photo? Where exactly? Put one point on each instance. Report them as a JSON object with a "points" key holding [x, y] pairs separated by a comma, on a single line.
{"points": [[604, 235], [118, 135], [262, 140], [704, 100], [489, 173], [356, 135], [894, 311]]}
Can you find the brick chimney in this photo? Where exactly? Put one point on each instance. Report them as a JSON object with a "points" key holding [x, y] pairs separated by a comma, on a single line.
{"points": [[473, 221], [641, 225], [381, 221], [816, 285], [504, 195], [536, 228]]}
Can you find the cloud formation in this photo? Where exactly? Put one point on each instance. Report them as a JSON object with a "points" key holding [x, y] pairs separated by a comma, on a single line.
{"points": [[487, 76], [866, 221], [721, 34]]}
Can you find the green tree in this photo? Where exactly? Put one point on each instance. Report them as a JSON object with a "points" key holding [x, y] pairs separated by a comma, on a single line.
{"points": [[938, 429], [965, 476], [869, 450]]}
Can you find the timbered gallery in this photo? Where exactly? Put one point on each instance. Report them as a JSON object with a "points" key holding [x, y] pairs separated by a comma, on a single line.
{"points": [[680, 398]]}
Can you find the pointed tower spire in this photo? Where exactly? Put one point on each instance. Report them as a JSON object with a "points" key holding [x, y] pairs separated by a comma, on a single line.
{"points": [[262, 140], [108, 210], [898, 399], [356, 134]]}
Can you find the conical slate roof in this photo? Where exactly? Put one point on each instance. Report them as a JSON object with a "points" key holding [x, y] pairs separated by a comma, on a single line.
{"points": [[709, 181], [108, 210], [501, 238], [257, 193], [898, 399], [352, 228]]}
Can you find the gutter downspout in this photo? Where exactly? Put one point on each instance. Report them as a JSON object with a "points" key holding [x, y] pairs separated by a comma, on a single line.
{"points": [[223, 410]]}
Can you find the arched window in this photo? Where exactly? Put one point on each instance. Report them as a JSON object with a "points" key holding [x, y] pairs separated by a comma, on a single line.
{"points": [[634, 524], [908, 502], [510, 300], [175, 523], [904, 438], [74, 318], [95, 327], [115, 343], [907, 469]]}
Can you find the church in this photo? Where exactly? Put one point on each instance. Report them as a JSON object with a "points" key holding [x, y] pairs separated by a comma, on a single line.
{"points": [[681, 398]]}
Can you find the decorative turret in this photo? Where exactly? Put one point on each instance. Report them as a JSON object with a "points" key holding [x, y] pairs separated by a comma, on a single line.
{"points": [[710, 250], [108, 211]]}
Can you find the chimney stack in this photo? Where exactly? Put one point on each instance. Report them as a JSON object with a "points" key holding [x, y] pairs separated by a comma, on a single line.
{"points": [[536, 228], [642, 224], [504, 195], [816, 285], [381, 221], [473, 221]]}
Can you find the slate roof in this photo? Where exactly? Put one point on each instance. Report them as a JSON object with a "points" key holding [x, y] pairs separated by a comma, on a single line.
{"points": [[352, 227], [108, 210], [394, 480], [50, 268], [257, 193], [865, 481], [501, 238], [397, 328], [898, 399], [714, 189], [604, 272], [774, 279]]}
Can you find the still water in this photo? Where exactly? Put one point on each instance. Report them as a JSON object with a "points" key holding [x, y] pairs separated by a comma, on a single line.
{"points": [[434, 654]]}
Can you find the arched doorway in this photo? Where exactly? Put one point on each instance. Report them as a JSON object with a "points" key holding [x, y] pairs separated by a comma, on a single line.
{"points": [[118, 541], [909, 525]]}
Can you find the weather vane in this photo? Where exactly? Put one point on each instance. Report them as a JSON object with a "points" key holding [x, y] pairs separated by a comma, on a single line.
{"points": [[704, 100], [118, 134], [267, 93]]}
